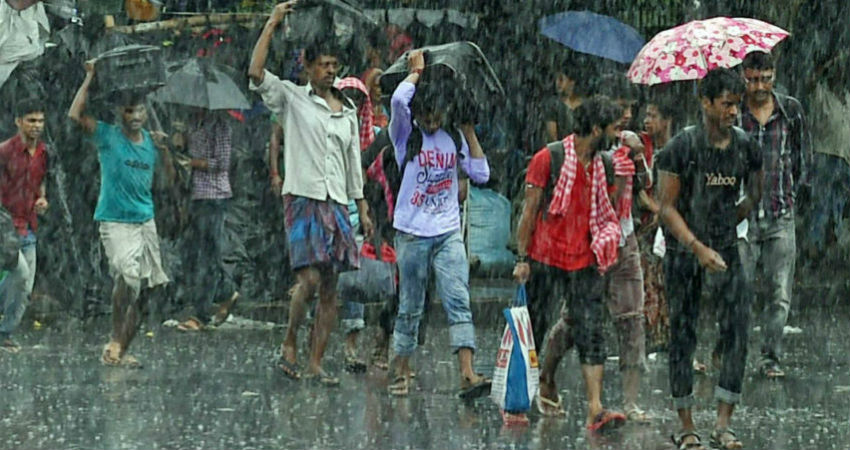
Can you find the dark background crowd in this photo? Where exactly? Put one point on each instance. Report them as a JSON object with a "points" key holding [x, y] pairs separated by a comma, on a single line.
{"points": [[72, 268]]}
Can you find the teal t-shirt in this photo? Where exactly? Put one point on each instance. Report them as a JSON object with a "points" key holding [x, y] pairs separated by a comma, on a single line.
{"points": [[126, 175]]}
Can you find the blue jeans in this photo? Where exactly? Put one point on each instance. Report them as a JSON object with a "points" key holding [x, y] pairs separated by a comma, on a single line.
{"points": [[417, 257], [16, 288], [769, 256], [204, 256]]}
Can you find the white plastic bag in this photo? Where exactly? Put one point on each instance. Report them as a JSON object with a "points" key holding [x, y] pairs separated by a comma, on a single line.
{"points": [[517, 374], [659, 246]]}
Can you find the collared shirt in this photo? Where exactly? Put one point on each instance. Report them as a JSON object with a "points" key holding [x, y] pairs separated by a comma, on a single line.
{"points": [[24, 35], [211, 141], [786, 149], [321, 148], [21, 175]]}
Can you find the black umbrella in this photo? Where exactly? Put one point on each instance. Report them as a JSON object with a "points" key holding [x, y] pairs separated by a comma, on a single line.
{"points": [[320, 19], [201, 84], [457, 77]]}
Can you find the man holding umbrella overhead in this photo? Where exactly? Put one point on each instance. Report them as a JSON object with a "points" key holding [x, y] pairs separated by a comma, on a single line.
{"points": [[322, 173], [427, 222], [206, 91], [209, 142]]}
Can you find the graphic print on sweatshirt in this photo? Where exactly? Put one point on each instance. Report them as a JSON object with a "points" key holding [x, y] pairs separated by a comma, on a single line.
{"points": [[435, 175]]}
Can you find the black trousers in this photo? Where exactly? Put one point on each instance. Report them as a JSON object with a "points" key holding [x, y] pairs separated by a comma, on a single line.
{"points": [[730, 292]]}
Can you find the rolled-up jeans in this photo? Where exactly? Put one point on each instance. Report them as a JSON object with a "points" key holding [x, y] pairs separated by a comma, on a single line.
{"points": [[445, 255], [352, 315], [769, 256], [730, 292], [16, 288]]}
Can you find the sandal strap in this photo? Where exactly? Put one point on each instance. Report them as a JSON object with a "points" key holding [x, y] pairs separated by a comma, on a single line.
{"points": [[679, 437]]}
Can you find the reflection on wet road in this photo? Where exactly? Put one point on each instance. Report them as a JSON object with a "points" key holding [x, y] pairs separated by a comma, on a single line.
{"points": [[218, 390]]}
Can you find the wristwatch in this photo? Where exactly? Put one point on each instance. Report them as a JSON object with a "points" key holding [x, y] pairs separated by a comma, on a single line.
{"points": [[521, 259]]}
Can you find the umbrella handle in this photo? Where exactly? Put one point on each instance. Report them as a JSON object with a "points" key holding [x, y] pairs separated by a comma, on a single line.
{"points": [[157, 125]]}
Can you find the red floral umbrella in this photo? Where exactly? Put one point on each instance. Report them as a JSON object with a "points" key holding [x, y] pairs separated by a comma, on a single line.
{"points": [[689, 51]]}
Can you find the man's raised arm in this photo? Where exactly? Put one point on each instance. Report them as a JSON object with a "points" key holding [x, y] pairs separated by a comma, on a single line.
{"points": [[256, 71], [78, 107]]}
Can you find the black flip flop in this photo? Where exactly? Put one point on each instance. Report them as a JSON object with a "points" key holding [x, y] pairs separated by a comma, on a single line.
{"points": [[322, 378], [479, 389], [679, 441], [354, 365]]}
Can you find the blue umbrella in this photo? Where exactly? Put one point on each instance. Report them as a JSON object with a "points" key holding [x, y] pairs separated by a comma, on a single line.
{"points": [[594, 34]]}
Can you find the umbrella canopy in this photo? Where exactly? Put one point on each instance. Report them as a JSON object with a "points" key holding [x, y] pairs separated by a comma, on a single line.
{"points": [[689, 51], [319, 19], [457, 76], [200, 84], [594, 34]]}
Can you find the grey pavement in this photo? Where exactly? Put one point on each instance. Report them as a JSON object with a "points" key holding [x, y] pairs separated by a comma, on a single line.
{"points": [[218, 390]]}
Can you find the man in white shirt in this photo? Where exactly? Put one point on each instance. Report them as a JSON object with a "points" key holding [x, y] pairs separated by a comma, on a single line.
{"points": [[321, 174]]}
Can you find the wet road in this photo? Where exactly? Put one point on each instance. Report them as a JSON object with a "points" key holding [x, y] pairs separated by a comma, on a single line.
{"points": [[217, 390]]}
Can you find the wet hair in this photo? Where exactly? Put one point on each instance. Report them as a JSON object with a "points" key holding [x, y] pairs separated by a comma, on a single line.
{"points": [[615, 86], [430, 97], [666, 106], [28, 106], [668, 109], [721, 80], [597, 111], [320, 47], [759, 61], [568, 68]]}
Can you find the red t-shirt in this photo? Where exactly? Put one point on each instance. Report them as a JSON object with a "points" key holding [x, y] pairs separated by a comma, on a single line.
{"points": [[561, 241], [21, 175]]}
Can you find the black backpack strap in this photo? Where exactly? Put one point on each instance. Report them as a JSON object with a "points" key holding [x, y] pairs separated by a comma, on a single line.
{"points": [[556, 160], [414, 147], [458, 140]]}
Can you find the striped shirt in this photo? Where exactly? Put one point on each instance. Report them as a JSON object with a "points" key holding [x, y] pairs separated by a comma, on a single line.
{"points": [[211, 141], [786, 151]]}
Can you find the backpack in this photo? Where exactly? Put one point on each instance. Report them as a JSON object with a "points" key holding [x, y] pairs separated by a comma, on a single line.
{"points": [[556, 160]]}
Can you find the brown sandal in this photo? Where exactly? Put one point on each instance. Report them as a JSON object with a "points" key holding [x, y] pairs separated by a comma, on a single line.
{"points": [[400, 387], [111, 355], [191, 325], [224, 310]]}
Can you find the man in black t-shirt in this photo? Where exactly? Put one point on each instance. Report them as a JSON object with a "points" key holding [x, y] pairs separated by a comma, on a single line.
{"points": [[557, 111], [701, 174]]}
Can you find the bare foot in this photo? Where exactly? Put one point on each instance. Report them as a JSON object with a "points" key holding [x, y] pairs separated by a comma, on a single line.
{"points": [[288, 353]]}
